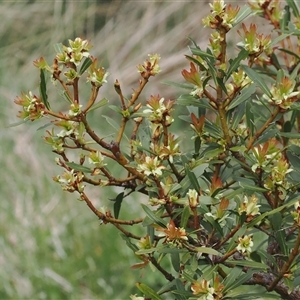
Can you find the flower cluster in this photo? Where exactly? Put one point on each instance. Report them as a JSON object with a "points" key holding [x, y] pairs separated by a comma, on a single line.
{"points": [[56, 142], [196, 78], [253, 42], [96, 159], [151, 166], [70, 181], [159, 110], [296, 213], [75, 52], [168, 152], [33, 107], [250, 207], [205, 291], [151, 66], [174, 235], [277, 176], [264, 155], [221, 15], [283, 93], [272, 9], [97, 75], [69, 128]]}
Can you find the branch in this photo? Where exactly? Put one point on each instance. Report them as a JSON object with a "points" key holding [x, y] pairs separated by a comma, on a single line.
{"points": [[287, 264]]}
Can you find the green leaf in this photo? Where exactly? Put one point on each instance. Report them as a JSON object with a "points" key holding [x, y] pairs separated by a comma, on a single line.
{"points": [[44, 126], [149, 292], [117, 204], [256, 78], [43, 89], [250, 118], [240, 279], [293, 6], [244, 95], [197, 144], [238, 115], [279, 38], [272, 212], [153, 217], [171, 250], [290, 52], [17, 123], [186, 86], [145, 251], [231, 278], [67, 97], [186, 212], [58, 47], [130, 245], [167, 287], [207, 250], [249, 185], [276, 221], [115, 125], [99, 104], [175, 260], [117, 109], [189, 100], [248, 263], [193, 179], [201, 53], [214, 224], [87, 62], [243, 13], [234, 64], [285, 19], [78, 167]]}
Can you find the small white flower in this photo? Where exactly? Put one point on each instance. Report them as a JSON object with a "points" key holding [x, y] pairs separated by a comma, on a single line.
{"points": [[245, 244]]}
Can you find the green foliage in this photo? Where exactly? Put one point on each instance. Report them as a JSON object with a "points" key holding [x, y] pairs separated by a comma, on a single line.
{"points": [[223, 211]]}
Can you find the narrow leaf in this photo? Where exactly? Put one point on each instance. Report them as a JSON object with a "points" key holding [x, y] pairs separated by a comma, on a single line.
{"points": [[117, 205], [240, 279], [145, 251], [186, 86], [43, 89], [250, 118], [185, 216], [245, 95], [99, 104], [206, 250], [87, 62], [244, 12], [148, 291], [17, 123], [153, 217], [130, 245], [58, 48], [78, 167], [202, 54], [293, 6], [234, 64], [175, 260], [247, 263], [255, 77], [193, 179], [279, 38]]}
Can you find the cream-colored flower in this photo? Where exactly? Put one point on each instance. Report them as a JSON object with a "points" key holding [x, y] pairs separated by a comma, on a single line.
{"points": [[245, 244]]}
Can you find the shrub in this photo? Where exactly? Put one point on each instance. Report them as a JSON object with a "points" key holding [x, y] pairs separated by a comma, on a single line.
{"points": [[222, 215]]}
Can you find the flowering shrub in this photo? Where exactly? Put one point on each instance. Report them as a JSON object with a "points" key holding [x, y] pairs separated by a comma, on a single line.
{"points": [[223, 213]]}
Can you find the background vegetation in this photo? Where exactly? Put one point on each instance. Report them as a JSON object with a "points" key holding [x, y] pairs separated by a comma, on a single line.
{"points": [[52, 247]]}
